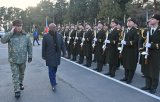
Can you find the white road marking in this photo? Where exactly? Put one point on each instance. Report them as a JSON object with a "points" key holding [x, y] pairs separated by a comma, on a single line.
{"points": [[130, 86]]}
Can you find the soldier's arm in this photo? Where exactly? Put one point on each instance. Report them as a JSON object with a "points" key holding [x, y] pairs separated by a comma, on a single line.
{"points": [[5, 38], [29, 47]]}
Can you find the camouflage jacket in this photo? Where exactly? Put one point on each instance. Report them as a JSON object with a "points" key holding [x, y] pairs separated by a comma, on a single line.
{"points": [[19, 46]]}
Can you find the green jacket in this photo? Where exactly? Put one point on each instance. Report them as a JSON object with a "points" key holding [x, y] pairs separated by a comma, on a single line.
{"points": [[19, 46]]}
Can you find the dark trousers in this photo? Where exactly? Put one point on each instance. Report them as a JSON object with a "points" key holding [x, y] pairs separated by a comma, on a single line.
{"points": [[129, 74], [151, 83], [112, 69], [52, 75], [99, 66], [89, 60], [35, 39], [81, 58]]}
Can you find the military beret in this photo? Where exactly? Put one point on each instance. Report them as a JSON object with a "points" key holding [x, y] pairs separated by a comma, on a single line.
{"points": [[17, 22], [156, 16], [132, 19]]}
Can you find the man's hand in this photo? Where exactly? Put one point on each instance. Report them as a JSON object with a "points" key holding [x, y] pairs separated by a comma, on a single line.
{"points": [[148, 45], [12, 30], [107, 41], [29, 60], [123, 42]]}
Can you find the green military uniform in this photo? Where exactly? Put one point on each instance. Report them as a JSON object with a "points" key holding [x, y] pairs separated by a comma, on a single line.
{"points": [[151, 69], [88, 47], [130, 54], [19, 48], [79, 47], [99, 51], [113, 37]]}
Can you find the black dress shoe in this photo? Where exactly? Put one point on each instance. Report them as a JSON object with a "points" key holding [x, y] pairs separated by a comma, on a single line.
{"points": [[145, 88], [107, 73], [99, 70], [21, 87], [95, 69], [54, 88], [86, 65], [124, 79], [128, 81], [17, 94], [112, 75], [152, 91]]}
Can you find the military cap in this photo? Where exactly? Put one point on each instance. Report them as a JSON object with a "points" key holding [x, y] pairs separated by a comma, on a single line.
{"points": [[120, 23], [17, 22], [115, 21], [100, 22], [156, 16], [87, 23], [132, 19]]}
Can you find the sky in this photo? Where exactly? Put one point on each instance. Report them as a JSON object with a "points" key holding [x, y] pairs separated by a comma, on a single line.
{"points": [[19, 3]]}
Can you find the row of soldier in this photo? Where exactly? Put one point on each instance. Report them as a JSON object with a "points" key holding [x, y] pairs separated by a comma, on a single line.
{"points": [[115, 46]]}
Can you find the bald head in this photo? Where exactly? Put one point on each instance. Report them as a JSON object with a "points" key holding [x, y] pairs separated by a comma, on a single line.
{"points": [[52, 27]]}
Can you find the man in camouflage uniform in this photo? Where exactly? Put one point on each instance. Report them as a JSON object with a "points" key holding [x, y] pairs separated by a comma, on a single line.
{"points": [[19, 45]]}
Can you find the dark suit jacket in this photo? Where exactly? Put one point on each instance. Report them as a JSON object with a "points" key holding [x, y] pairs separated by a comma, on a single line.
{"points": [[49, 52]]}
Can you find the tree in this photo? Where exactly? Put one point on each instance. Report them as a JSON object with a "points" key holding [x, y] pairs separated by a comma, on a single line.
{"points": [[93, 8], [109, 8], [60, 11]]}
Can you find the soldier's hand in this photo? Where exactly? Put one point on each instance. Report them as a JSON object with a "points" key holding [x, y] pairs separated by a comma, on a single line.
{"points": [[29, 60]]}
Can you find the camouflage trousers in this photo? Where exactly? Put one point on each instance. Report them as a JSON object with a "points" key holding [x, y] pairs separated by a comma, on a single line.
{"points": [[17, 74]]}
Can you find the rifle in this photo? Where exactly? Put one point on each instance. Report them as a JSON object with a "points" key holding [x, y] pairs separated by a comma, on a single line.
{"points": [[146, 52], [69, 37], [105, 43], [75, 39], [83, 39], [122, 45]]}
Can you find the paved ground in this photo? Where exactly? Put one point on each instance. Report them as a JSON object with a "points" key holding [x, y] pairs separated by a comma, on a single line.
{"points": [[75, 83]]}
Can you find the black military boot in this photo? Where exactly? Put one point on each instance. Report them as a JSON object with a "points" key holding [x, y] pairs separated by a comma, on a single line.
{"points": [[147, 84], [21, 87], [17, 94]]}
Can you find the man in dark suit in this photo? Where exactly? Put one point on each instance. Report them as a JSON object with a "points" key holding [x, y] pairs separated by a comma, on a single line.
{"points": [[52, 45], [152, 67]]}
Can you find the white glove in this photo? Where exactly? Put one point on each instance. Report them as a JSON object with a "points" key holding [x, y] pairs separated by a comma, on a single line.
{"points": [[103, 47], [107, 41], [95, 39], [93, 45], [123, 42], [81, 44], [64, 37], [148, 45], [76, 38], [68, 42], [83, 39], [69, 37]]}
